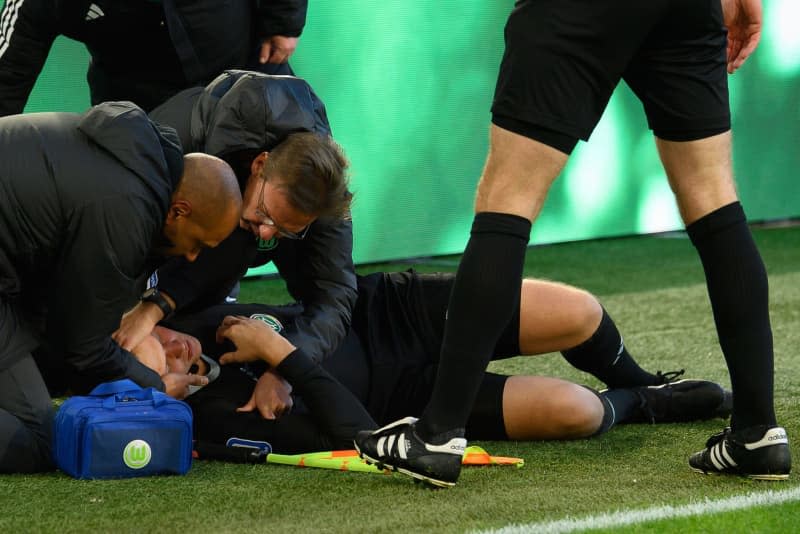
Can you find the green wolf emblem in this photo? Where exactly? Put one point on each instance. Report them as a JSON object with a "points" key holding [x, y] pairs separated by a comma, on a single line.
{"points": [[271, 321], [268, 244]]}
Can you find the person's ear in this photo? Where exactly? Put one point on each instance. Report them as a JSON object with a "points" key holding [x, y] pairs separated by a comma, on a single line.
{"points": [[257, 165], [179, 208]]}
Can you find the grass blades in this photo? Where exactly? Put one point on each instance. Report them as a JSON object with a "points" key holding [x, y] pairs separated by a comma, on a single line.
{"points": [[654, 289]]}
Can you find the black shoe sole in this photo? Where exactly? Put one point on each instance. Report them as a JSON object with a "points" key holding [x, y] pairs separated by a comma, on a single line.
{"points": [[752, 476], [417, 476]]}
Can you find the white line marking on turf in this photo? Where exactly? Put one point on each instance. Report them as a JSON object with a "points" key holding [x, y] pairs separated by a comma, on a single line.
{"points": [[631, 517]]}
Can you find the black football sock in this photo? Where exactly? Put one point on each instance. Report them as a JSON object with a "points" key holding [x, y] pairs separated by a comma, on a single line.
{"points": [[484, 297], [624, 402], [738, 290], [604, 356]]}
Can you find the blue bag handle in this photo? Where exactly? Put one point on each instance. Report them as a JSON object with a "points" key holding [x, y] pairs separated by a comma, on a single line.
{"points": [[121, 398], [126, 390], [117, 386]]}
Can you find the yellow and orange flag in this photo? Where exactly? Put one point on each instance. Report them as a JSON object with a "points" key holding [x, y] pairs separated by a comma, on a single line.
{"points": [[348, 460]]}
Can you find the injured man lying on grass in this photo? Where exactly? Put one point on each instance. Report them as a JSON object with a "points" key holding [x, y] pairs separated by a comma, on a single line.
{"points": [[386, 367]]}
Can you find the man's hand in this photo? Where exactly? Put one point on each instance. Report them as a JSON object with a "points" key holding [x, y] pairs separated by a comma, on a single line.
{"points": [[277, 49], [137, 324], [177, 384], [254, 340], [271, 396], [743, 19]]}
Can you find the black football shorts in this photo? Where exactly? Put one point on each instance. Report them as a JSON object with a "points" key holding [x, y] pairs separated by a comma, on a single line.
{"points": [[563, 59]]}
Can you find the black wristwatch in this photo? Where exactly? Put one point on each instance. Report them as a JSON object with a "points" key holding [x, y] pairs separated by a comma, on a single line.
{"points": [[154, 295]]}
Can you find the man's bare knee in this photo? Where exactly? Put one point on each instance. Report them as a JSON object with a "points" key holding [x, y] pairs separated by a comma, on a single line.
{"points": [[700, 174], [582, 413], [517, 175]]}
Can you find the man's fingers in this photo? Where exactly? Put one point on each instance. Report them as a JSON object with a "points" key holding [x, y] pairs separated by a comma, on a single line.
{"points": [[230, 357], [231, 319], [124, 340], [278, 56], [224, 327], [197, 380], [228, 324], [120, 339], [249, 406], [219, 337], [734, 47], [266, 413], [284, 409], [266, 47], [748, 47]]}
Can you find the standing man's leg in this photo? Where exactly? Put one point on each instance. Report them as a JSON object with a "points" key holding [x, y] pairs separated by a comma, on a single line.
{"points": [[544, 102], [700, 173], [688, 110], [486, 292], [512, 189]]}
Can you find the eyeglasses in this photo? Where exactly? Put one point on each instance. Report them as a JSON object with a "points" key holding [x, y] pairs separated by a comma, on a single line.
{"points": [[264, 219]]}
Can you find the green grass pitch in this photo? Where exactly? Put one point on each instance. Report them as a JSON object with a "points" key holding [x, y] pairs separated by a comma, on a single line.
{"points": [[652, 286]]}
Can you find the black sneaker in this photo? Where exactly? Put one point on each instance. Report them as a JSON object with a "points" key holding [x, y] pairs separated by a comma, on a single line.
{"points": [[682, 401], [398, 447], [768, 458]]}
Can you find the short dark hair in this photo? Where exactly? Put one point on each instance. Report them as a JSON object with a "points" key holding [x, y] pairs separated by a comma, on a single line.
{"points": [[312, 170]]}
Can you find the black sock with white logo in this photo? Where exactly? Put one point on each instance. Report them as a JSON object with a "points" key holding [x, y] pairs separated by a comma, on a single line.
{"points": [[609, 413], [484, 297], [738, 290], [624, 403], [604, 356]]}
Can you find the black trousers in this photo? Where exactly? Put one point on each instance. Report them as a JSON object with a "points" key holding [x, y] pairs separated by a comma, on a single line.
{"points": [[26, 419]]}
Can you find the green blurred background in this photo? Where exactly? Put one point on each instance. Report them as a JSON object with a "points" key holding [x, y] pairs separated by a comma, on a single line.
{"points": [[408, 86]]}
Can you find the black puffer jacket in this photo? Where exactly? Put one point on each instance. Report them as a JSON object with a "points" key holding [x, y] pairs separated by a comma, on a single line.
{"points": [[141, 50], [82, 199], [243, 111]]}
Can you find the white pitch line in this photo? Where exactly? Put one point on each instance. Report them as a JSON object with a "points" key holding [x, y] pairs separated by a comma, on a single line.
{"points": [[631, 517]]}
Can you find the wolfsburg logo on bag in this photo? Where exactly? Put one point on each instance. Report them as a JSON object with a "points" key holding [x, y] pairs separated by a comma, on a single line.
{"points": [[137, 454], [121, 430]]}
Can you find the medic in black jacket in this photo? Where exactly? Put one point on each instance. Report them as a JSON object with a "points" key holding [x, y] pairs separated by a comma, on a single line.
{"points": [[89, 205], [145, 51], [242, 117]]}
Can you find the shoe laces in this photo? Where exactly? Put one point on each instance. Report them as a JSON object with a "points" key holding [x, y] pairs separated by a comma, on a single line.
{"points": [[669, 376], [645, 409], [719, 436]]}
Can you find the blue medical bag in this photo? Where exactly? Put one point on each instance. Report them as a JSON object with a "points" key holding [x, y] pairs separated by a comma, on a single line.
{"points": [[121, 430]]}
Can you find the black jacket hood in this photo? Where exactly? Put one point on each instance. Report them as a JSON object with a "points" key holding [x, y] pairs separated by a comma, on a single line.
{"points": [[109, 125], [245, 110]]}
